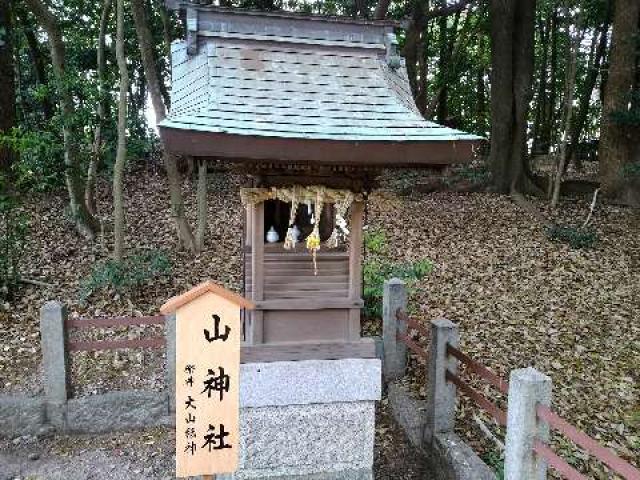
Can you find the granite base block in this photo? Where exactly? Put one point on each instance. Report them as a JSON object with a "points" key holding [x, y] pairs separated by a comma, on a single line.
{"points": [[334, 440], [309, 381], [366, 474]]}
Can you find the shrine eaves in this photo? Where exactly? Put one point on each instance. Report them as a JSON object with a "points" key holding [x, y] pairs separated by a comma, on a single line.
{"points": [[281, 87]]}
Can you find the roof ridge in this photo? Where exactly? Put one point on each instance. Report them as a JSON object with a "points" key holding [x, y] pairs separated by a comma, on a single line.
{"points": [[203, 5], [174, 303]]}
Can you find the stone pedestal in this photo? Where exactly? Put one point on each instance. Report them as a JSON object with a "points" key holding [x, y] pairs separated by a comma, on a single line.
{"points": [[308, 420]]}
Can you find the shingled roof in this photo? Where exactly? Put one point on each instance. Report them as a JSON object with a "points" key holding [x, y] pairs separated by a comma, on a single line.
{"points": [[256, 86]]}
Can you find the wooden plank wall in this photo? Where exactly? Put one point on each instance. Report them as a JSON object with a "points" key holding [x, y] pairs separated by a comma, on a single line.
{"points": [[289, 276]]}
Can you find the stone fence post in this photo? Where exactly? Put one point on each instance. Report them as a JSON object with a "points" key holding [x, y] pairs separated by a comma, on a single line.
{"points": [[441, 394], [527, 388], [395, 352], [170, 332], [55, 358]]}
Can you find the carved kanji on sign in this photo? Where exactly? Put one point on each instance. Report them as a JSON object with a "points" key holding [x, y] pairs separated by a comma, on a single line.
{"points": [[207, 372]]}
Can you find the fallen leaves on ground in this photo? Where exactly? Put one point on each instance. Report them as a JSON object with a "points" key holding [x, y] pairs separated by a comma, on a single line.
{"points": [[519, 298]]}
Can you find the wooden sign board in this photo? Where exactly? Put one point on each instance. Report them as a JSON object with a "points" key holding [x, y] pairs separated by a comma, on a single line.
{"points": [[208, 331]]}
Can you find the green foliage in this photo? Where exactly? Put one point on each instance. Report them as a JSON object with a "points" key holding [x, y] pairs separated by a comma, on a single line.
{"points": [[37, 137], [629, 117], [40, 165], [13, 233], [473, 173], [632, 170], [378, 267], [575, 237], [126, 277], [496, 462], [375, 241]]}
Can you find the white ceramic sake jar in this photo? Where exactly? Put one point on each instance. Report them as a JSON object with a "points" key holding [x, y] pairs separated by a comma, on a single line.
{"points": [[272, 235]]}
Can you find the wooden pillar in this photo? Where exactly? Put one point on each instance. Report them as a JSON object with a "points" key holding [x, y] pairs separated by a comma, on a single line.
{"points": [[355, 267], [257, 271], [246, 268], [248, 225]]}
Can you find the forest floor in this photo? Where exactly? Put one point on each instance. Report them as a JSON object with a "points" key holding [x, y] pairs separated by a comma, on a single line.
{"points": [[519, 298]]}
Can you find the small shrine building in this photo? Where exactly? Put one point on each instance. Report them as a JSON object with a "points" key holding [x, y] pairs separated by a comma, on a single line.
{"points": [[310, 110]]}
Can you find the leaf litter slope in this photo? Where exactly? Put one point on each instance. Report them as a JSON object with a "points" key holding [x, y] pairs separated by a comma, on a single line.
{"points": [[522, 300], [519, 298]]}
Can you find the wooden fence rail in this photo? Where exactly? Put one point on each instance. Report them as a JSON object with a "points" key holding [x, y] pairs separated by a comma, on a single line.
{"points": [[106, 322], [483, 402], [57, 345], [526, 446], [483, 372], [114, 322], [580, 438], [415, 348]]}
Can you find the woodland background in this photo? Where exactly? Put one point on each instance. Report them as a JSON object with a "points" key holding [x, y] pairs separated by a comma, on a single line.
{"points": [[556, 80], [94, 213]]}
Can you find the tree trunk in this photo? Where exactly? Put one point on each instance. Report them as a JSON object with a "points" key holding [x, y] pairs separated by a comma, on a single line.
{"points": [[512, 29], [570, 82], [94, 163], [551, 97], [444, 59], [166, 27], [411, 53], [145, 40], [541, 100], [446, 63], [166, 36], [39, 61], [202, 204], [121, 155], [523, 63], [614, 146], [589, 84], [381, 9], [85, 222], [449, 67], [421, 52], [7, 84], [501, 92]]}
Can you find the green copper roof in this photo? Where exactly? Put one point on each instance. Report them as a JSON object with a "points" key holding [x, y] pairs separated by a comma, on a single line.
{"points": [[295, 78]]}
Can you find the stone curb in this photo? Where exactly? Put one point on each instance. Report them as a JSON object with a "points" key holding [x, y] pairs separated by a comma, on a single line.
{"points": [[116, 411], [449, 456], [359, 474], [23, 415]]}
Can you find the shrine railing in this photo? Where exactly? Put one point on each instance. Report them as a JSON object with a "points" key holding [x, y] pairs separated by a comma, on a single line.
{"points": [[498, 414], [114, 322], [61, 336], [528, 417]]}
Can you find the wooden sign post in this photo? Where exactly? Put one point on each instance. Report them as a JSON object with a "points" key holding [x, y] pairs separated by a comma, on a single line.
{"points": [[208, 333]]}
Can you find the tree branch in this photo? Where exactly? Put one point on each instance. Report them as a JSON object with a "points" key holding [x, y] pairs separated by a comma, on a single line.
{"points": [[448, 9], [381, 9], [423, 19], [593, 206]]}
